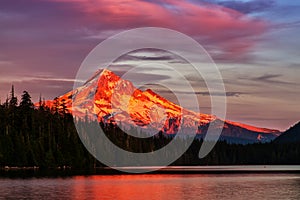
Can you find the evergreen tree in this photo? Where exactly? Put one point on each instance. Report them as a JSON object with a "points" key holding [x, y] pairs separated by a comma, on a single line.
{"points": [[26, 102], [13, 101]]}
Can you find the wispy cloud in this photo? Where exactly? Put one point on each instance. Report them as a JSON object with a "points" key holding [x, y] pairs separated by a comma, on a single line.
{"points": [[272, 78], [247, 7], [228, 94]]}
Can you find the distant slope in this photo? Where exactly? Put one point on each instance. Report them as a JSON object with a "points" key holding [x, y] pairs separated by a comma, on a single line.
{"points": [[292, 135]]}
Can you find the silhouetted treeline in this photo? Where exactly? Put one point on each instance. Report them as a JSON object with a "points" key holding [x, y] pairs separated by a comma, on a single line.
{"points": [[38, 136], [222, 154]]}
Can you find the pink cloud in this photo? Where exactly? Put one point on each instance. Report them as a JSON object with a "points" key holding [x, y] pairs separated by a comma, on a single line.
{"points": [[229, 30]]}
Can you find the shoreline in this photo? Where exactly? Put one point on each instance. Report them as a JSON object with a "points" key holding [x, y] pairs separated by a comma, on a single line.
{"points": [[35, 171]]}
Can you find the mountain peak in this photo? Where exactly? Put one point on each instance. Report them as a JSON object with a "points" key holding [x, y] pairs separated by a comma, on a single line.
{"points": [[102, 73], [108, 73]]}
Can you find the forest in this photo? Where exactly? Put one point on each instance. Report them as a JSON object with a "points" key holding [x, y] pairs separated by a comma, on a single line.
{"points": [[47, 138]]}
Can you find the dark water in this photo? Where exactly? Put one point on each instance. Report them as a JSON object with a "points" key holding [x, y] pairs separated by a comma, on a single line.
{"points": [[156, 186]]}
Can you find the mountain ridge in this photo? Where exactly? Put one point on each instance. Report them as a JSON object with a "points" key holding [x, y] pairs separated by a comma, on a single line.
{"points": [[292, 135]]}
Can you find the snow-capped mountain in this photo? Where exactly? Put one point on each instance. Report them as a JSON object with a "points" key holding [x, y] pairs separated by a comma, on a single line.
{"points": [[113, 99]]}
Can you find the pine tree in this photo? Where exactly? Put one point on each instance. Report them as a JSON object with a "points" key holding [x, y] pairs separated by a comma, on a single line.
{"points": [[55, 107], [13, 102], [26, 102]]}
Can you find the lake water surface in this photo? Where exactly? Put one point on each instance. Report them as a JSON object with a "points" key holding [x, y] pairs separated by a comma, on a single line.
{"points": [[155, 186]]}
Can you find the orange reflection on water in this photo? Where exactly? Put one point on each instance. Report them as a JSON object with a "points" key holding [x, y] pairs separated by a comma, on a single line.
{"points": [[121, 187], [190, 187]]}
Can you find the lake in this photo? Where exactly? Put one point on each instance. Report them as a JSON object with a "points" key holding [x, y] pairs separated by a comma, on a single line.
{"points": [[155, 186]]}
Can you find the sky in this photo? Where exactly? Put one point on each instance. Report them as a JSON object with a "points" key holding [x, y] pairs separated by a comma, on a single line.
{"points": [[254, 43]]}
